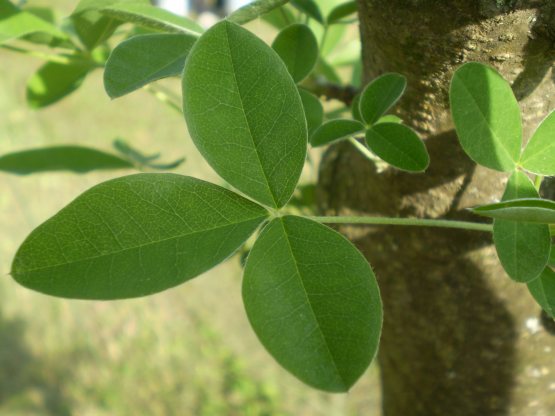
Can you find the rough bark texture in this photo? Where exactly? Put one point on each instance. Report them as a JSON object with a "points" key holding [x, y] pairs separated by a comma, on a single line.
{"points": [[459, 337]]}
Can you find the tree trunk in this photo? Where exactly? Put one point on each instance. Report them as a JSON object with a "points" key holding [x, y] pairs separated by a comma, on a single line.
{"points": [[459, 337]]}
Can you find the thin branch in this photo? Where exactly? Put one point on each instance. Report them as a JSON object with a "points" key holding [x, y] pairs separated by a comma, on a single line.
{"points": [[343, 93]]}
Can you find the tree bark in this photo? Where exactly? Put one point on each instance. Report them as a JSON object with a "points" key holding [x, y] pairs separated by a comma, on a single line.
{"points": [[459, 337]]}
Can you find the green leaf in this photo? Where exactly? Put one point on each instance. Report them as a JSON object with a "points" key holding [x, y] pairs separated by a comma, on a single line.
{"points": [[298, 48], [390, 118], [380, 95], [16, 23], [134, 236], [73, 158], [244, 113], [152, 17], [310, 8], [552, 256], [486, 116], [543, 290], [539, 154], [313, 110], [279, 18], [144, 59], [522, 248], [92, 27], [92, 5], [313, 302], [144, 160], [399, 146], [341, 11], [524, 210], [334, 130], [254, 10], [54, 81]]}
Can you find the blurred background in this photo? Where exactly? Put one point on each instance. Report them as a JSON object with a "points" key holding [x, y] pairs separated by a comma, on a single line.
{"points": [[186, 351]]}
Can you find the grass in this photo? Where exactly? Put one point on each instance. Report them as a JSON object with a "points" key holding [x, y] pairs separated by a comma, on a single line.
{"points": [[186, 351]]}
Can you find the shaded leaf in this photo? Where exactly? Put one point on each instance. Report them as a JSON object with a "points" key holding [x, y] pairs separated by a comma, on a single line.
{"points": [[522, 248], [543, 290], [16, 23], [53, 81], [380, 95], [134, 236], [313, 302], [539, 154], [298, 49], [334, 130], [341, 11], [486, 116], [244, 113], [399, 146], [309, 7], [313, 110], [72, 158], [254, 10], [144, 59], [524, 210], [93, 28]]}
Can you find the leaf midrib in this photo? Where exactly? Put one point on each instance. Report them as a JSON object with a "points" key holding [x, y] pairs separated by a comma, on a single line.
{"points": [[269, 188], [310, 304], [151, 243]]}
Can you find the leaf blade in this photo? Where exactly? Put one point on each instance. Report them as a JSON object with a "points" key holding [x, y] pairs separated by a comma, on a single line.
{"points": [[133, 236], [539, 154], [298, 49], [127, 69], [264, 153], [543, 290], [16, 23], [380, 95], [525, 210], [340, 11], [334, 130], [296, 282], [487, 116], [522, 248], [254, 10], [54, 81], [310, 8], [72, 158], [313, 110], [399, 146], [152, 17]]}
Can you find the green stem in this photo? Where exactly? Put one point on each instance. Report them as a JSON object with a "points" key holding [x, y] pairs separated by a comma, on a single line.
{"points": [[363, 149], [324, 37], [416, 222], [59, 59]]}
